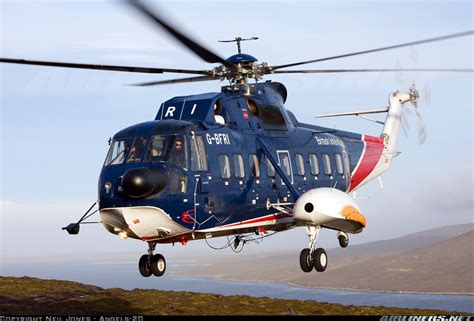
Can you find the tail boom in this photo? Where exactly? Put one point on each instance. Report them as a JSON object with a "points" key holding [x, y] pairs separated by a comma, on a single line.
{"points": [[378, 152]]}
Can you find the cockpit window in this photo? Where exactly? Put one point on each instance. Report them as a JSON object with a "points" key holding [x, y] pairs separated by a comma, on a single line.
{"points": [[156, 148], [118, 150], [137, 150], [198, 154], [177, 153], [168, 148]]}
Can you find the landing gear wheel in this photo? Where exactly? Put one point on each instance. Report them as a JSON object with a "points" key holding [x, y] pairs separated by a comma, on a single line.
{"points": [[306, 261], [144, 266], [158, 265], [320, 259], [343, 241]]}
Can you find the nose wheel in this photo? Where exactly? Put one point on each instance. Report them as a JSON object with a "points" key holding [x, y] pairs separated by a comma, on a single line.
{"points": [[152, 263], [310, 257]]}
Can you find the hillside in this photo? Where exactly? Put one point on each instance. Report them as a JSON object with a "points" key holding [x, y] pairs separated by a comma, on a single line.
{"points": [[408, 242], [436, 261], [31, 296]]}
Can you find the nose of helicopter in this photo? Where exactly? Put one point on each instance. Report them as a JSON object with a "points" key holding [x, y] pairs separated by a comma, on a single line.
{"points": [[143, 182]]}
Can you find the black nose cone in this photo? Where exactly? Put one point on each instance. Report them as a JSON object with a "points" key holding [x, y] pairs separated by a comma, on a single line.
{"points": [[143, 182]]}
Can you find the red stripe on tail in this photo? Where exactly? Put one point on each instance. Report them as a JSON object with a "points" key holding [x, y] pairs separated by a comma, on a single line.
{"points": [[369, 159]]}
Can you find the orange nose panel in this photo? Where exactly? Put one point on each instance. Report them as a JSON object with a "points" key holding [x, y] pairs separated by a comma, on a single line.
{"points": [[351, 213]]}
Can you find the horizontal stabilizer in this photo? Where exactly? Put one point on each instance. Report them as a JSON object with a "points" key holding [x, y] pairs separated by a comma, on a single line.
{"points": [[356, 113]]}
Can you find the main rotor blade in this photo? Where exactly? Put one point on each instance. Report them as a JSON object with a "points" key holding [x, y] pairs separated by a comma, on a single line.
{"points": [[176, 81], [199, 50], [146, 70], [324, 71], [456, 35]]}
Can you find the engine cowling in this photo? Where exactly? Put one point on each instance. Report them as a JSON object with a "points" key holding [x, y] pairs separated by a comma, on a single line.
{"points": [[331, 208]]}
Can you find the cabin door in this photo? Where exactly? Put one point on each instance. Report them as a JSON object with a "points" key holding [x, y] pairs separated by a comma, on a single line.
{"points": [[202, 176]]}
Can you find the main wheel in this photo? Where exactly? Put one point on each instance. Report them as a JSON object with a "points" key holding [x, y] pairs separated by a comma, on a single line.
{"points": [[306, 261], [158, 265], [320, 260], [144, 266], [343, 241]]}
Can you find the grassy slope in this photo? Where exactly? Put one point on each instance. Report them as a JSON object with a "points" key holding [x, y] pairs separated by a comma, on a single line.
{"points": [[22, 296]]}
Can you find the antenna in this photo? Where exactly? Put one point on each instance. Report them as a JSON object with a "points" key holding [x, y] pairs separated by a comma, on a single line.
{"points": [[238, 40]]}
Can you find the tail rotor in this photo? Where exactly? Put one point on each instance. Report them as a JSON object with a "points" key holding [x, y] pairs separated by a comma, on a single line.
{"points": [[422, 133]]}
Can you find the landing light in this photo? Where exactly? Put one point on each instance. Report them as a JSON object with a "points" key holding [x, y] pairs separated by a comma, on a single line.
{"points": [[108, 186], [138, 180], [123, 235]]}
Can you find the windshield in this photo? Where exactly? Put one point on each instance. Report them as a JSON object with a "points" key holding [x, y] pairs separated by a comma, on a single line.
{"points": [[168, 148], [117, 151], [158, 148], [137, 150]]}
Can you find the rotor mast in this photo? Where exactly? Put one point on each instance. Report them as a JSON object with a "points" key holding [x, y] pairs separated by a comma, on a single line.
{"points": [[244, 65], [239, 40]]}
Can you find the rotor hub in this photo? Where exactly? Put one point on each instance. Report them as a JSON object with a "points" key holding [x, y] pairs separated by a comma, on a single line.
{"points": [[242, 71]]}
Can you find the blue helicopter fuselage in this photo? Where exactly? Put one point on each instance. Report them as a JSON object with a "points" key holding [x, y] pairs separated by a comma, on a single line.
{"points": [[224, 178]]}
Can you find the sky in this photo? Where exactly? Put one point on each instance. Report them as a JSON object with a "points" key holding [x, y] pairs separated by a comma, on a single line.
{"points": [[55, 122]]}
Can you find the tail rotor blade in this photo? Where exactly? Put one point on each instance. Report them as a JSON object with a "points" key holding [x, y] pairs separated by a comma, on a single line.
{"points": [[421, 127], [404, 122], [407, 111], [427, 94]]}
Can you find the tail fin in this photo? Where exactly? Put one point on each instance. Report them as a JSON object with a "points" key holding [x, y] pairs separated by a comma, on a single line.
{"points": [[379, 152]]}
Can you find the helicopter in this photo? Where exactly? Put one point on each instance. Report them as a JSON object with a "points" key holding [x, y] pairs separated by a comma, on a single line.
{"points": [[236, 162]]}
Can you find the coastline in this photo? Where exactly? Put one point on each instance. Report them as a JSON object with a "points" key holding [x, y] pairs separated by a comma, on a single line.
{"points": [[64, 297], [223, 278]]}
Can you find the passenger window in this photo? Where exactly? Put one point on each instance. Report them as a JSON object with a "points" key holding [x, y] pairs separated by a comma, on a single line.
{"points": [[239, 170], [313, 164], [198, 154], [346, 161], [300, 164], [285, 163], [224, 166], [254, 165], [327, 164], [340, 169], [270, 168]]}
